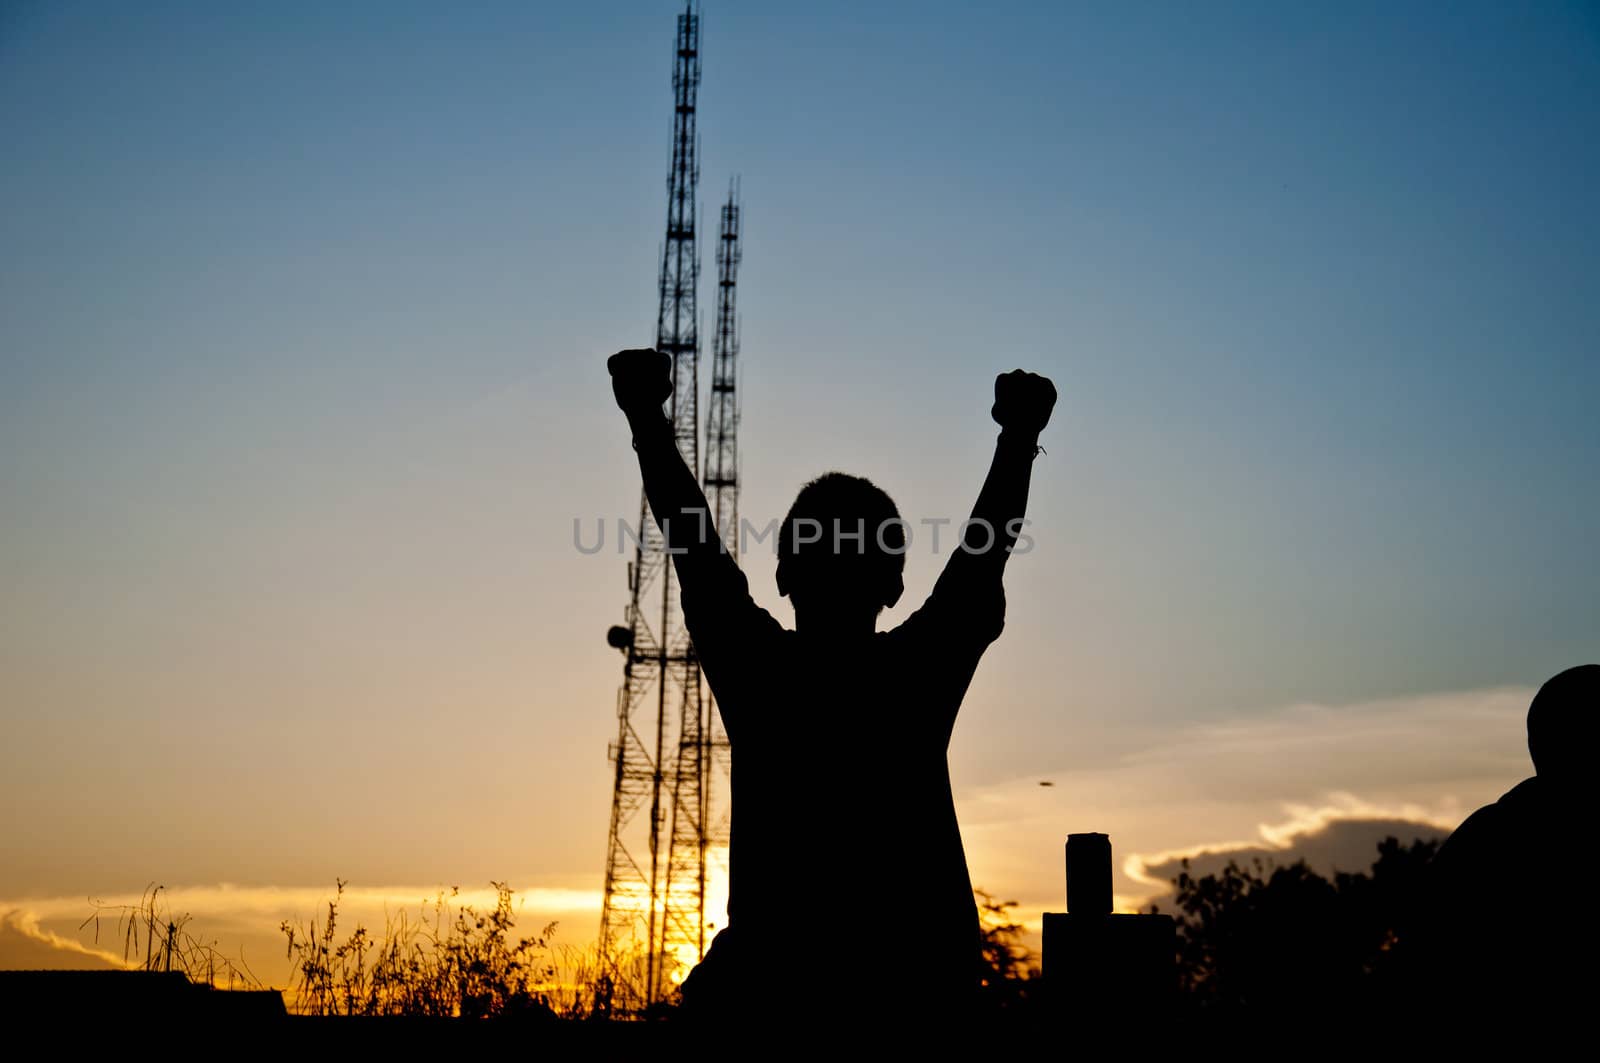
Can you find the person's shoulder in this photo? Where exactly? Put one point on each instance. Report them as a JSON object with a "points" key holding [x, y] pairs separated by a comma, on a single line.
{"points": [[1489, 825], [1484, 821], [722, 611], [1527, 793], [971, 615]]}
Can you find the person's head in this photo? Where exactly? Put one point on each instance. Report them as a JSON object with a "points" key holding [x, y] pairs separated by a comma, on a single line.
{"points": [[841, 551], [1561, 725]]}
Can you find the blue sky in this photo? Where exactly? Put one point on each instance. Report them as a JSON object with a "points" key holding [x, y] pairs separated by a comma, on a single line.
{"points": [[304, 309]]}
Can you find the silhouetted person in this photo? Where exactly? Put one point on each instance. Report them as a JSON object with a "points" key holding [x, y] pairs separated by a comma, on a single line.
{"points": [[1508, 934], [848, 891]]}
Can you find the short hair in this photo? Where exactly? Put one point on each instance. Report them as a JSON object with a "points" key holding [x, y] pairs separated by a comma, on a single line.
{"points": [[851, 517], [1561, 723]]}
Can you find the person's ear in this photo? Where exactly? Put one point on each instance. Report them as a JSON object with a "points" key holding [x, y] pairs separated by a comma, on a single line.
{"points": [[893, 591], [783, 578]]}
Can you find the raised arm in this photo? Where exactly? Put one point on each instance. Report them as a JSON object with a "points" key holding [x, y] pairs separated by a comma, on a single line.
{"points": [[641, 380], [1022, 406], [966, 611]]}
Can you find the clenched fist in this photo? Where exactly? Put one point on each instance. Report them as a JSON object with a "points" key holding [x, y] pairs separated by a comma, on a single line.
{"points": [[1023, 401], [641, 380]]}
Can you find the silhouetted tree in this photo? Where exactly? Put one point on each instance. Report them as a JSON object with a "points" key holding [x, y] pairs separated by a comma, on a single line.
{"points": [[1286, 938], [1009, 967]]}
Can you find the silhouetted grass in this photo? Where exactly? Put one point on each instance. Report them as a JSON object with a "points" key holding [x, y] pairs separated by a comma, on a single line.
{"points": [[154, 938], [449, 960]]}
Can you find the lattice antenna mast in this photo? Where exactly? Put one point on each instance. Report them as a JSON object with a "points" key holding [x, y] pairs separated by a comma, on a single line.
{"points": [[722, 423], [700, 819], [642, 936]]}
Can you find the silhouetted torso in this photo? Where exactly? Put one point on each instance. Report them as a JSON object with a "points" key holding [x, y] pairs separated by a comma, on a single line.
{"points": [[844, 831], [1506, 931]]}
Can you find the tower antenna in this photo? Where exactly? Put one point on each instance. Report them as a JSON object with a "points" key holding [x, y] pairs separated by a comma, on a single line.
{"points": [[666, 754]]}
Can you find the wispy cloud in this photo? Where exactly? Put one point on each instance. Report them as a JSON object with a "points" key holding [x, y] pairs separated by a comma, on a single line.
{"points": [[243, 921], [25, 945], [290, 900]]}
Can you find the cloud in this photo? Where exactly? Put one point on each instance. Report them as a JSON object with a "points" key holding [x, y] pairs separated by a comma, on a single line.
{"points": [[292, 902], [1324, 781], [1328, 845], [25, 946], [1278, 782]]}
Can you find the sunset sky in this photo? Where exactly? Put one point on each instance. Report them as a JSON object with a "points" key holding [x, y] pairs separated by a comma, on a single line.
{"points": [[304, 310]]}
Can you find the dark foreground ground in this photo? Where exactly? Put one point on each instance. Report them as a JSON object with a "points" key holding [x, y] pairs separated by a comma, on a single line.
{"points": [[165, 1011]]}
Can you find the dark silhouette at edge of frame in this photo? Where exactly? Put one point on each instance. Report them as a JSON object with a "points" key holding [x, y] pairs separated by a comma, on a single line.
{"points": [[1495, 945], [841, 557]]}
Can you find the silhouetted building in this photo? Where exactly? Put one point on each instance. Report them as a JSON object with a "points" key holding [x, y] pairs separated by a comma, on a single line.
{"points": [[68, 1001], [1097, 961]]}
